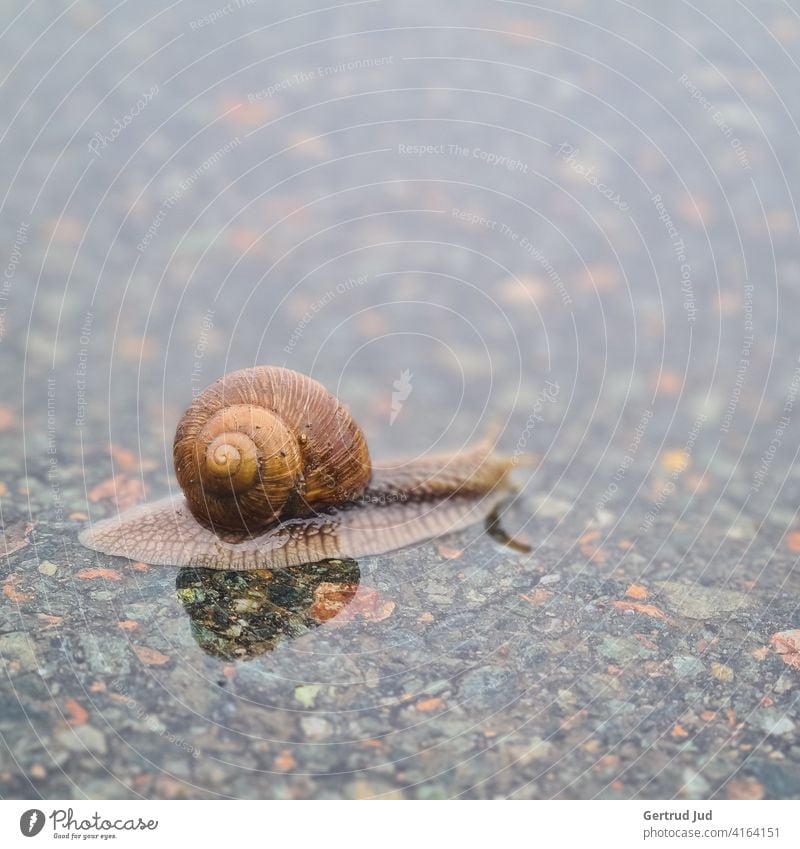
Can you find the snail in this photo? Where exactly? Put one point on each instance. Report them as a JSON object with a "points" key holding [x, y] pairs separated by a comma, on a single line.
{"points": [[276, 473]]}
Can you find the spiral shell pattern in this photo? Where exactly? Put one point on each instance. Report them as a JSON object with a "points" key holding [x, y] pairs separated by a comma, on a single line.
{"points": [[267, 444]]}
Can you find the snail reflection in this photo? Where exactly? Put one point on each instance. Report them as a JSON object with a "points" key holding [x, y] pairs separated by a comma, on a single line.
{"points": [[239, 615]]}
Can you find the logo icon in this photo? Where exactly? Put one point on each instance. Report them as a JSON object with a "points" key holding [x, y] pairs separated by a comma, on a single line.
{"points": [[31, 822], [402, 389]]}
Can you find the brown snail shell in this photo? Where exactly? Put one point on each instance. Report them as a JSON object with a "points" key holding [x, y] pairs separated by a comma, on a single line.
{"points": [[257, 495], [264, 444]]}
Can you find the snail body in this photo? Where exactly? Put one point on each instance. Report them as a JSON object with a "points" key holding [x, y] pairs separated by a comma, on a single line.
{"points": [[276, 473]]}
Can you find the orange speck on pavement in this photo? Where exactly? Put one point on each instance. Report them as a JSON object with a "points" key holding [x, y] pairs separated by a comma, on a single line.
{"points": [[675, 460], [537, 596], [330, 600], [429, 705], [15, 536], [121, 490], [285, 761], [744, 789], [150, 657], [76, 713], [12, 593], [99, 572], [50, 621], [646, 609], [244, 114], [787, 645], [125, 459], [669, 383], [65, 229], [368, 604]]}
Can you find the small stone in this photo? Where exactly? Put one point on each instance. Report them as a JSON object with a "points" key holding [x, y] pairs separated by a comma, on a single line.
{"points": [[191, 595], [372, 789], [17, 647], [566, 697], [538, 749], [696, 786], [246, 605], [48, 568], [698, 602], [552, 578], [686, 666], [604, 517], [489, 686], [740, 530], [550, 507], [624, 649], [83, 737], [306, 694], [775, 723], [315, 727], [154, 724], [722, 672]]}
